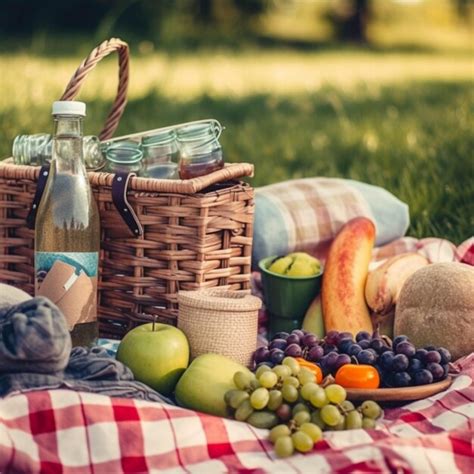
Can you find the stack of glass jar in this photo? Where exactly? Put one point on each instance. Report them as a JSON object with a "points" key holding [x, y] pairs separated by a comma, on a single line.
{"points": [[36, 150], [183, 151]]}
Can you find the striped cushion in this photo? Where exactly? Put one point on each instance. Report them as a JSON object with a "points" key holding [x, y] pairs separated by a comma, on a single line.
{"points": [[305, 214]]}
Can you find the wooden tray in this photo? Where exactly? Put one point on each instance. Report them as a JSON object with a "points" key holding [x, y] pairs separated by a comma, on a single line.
{"points": [[404, 394]]}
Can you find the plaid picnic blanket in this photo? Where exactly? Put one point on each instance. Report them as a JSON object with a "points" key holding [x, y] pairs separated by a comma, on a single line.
{"points": [[60, 431], [305, 214]]}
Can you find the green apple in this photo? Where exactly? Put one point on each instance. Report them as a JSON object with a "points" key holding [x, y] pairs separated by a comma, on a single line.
{"points": [[157, 354], [203, 386], [296, 264]]}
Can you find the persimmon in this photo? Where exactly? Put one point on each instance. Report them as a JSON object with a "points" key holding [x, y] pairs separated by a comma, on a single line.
{"points": [[311, 366], [358, 376]]}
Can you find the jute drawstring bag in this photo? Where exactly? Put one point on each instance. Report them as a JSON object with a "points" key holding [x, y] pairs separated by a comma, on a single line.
{"points": [[220, 321]]}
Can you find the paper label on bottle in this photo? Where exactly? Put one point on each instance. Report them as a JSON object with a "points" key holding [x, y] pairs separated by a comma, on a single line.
{"points": [[69, 280]]}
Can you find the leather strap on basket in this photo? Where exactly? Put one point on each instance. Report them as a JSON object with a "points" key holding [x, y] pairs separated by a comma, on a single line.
{"points": [[103, 50], [40, 185], [119, 198]]}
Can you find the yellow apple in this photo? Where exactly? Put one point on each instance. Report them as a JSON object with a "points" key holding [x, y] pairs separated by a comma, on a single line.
{"points": [[203, 386]]}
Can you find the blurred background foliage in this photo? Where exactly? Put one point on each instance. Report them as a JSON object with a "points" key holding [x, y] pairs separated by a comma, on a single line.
{"points": [[375, 90], [192, 24]]}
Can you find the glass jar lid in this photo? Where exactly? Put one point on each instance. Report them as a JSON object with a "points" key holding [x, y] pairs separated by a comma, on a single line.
{"points": [[198, 130], [162, 137]]}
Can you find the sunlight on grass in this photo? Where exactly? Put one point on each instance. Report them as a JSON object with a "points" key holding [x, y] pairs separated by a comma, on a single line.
{"points": [[400, 121], [225, 74]]}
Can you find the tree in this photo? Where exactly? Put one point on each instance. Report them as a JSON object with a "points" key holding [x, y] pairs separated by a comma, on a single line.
{"points": [[205, 10], [350, 19]]}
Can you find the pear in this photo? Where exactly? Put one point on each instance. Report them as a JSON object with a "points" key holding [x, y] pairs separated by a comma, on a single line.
{"points": [[313, 320]]}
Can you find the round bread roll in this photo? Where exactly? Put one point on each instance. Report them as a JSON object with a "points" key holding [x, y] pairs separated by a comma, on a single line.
{"points": [[436, 307]]}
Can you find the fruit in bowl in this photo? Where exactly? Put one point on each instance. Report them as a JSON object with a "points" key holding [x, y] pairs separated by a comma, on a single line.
{"points": [[379, 361], [296, 264], [290, 284]]}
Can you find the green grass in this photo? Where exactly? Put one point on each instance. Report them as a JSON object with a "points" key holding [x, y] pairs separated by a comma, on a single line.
{"points": [[399, 121]]}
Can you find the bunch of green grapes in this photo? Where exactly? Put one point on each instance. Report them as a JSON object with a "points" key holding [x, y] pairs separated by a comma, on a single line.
{"points": [[287, 400]]}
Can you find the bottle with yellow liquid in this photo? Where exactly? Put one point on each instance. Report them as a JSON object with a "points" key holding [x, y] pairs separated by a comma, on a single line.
{"points": [[67, 233]]}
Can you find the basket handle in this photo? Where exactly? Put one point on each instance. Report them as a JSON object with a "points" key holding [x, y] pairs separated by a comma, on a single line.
{"points": [[98, 53]]}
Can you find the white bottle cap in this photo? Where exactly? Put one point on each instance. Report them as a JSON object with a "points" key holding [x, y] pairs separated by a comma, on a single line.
{"points": [[69, 107]]}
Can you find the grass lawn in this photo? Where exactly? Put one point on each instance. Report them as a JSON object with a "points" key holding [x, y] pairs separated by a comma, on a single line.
{"points": [[403, 121]]}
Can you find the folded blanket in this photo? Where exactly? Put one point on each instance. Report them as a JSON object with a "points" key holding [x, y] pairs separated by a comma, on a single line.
{"points": [[306, 214], [89, 370], [35, 354], [95, 364]]}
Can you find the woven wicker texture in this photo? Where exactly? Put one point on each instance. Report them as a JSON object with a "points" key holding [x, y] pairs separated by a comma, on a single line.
{"points": [[197, 233], [221, 322], [190, 241], [231, 171]]}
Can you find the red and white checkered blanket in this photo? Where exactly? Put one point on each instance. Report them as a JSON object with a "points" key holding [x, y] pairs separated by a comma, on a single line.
{"points": [[60, 431], [63, 431]]}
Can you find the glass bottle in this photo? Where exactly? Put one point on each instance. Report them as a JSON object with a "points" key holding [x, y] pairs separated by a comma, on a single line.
{"points": [[36, 150], [123, 156], [160, 155], [200, 150], [67, 233]]}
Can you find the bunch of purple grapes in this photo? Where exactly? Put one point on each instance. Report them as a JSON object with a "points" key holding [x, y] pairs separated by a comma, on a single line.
{"points": [[301, 343], [404, 365], [399, 363], [298, 343]]}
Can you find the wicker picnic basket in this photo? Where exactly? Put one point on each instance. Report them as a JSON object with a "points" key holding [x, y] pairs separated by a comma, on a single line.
{"points": [[178, 235]]}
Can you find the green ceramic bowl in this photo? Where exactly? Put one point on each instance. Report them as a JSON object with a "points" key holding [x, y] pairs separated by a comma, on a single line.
{"points": [[287, 298]]}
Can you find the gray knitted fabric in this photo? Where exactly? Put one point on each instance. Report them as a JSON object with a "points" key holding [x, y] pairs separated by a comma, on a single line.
{"points": [[34, 337], [35, 354]]}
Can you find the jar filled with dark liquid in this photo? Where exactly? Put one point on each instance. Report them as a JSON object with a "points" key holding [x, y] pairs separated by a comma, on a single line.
{"points": [[200, 150]]}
